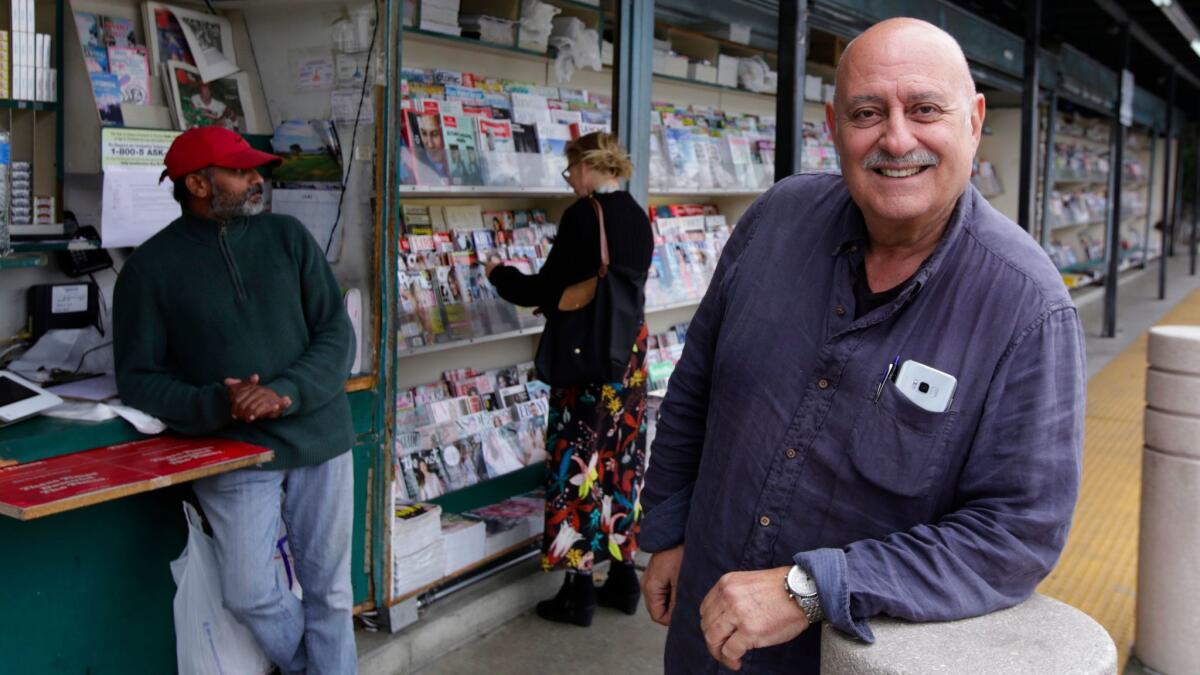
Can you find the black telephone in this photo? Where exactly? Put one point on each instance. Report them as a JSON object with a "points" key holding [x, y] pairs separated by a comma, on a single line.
{"points": [[81, 262]]}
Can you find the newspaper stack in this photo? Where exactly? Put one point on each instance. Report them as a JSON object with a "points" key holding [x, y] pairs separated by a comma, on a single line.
{"points": [[440, 16], [418, 553], [511, 522], [465, 541]]}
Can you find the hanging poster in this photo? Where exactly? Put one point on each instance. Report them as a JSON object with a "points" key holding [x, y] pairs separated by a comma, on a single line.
{"points": [[203, 104], [195, 38]]}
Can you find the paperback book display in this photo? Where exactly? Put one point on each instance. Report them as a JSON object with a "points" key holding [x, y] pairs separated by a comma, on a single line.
{"points": [[118, 66]]}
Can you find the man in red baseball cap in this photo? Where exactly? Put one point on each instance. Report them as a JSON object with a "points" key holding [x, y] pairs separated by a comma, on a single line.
{"points": [[229, 323], [218, 168]]}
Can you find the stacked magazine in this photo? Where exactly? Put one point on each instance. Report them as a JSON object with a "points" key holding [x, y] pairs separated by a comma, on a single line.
{"points": [[467, 428], [663, 351], [460, 129], [688, 241], [701, 149], [444, 295]]}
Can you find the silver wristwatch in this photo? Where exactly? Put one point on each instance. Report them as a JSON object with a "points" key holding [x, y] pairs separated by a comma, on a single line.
{"points": [[801, 588]]}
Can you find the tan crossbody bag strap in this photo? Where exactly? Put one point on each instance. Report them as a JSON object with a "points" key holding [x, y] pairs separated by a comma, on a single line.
{"points": [[580, 295], [603, 237]]}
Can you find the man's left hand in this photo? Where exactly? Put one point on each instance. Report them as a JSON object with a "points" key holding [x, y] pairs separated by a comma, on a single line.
{"points": [[250, 401], [748, 610]]}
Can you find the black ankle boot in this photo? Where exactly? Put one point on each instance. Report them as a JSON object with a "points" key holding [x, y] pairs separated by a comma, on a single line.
{"points": [[621, 591], [575, 602]]}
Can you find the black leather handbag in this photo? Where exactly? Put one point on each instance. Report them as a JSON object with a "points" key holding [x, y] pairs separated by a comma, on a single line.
{"points": [[589, 336]]}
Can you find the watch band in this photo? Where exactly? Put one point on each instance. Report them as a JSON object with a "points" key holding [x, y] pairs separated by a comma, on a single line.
{"points": [[810, 604], [812, 609]]}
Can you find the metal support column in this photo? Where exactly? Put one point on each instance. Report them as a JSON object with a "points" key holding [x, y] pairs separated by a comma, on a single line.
{"points": [[1048, 168], [1150, 192], [1177, 211], [1195, 205], [789, 98], [1112, 245], [1166, 206], [633, 61], [1029, 115]]}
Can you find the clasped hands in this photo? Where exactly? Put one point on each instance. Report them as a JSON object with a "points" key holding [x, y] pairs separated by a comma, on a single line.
{"points": [[250, 401], [743, 611]]}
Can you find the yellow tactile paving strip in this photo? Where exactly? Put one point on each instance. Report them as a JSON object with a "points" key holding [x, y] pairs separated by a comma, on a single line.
{"points": [[1098, 570]]}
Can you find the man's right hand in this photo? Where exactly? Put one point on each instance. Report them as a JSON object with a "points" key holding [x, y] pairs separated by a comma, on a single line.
{"points": [[659, 583], [249, 401]]}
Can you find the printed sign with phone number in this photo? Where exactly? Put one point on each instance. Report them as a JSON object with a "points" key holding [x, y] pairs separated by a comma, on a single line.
{"points": [[134, 147]]}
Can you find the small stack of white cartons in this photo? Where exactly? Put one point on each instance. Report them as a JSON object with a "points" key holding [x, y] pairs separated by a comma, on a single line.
{"points": [[1168, 593]]}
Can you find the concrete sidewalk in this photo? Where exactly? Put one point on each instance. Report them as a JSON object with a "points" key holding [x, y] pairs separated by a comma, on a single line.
{"points": [[616, 643]]}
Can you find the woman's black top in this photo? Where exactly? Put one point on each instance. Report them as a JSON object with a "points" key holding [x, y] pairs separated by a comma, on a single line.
{"points": [[575, 255]]}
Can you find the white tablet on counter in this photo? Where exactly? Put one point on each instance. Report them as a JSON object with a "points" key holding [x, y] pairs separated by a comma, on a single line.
{"points": [[20, 398]]}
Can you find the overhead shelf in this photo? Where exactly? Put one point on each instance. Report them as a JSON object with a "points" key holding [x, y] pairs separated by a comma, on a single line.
{"points": [[10, 104], [59, 245], [1086, 223], [419, 35], [1077, 137], [459, 191], [523, 332], [23, 260], [1097, 179]]}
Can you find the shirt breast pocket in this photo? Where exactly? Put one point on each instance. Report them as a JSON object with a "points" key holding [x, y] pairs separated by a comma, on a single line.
{"points": [[898, 447]]}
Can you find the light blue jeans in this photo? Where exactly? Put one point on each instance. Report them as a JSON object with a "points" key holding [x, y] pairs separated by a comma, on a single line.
{"points": [[316, 502]]}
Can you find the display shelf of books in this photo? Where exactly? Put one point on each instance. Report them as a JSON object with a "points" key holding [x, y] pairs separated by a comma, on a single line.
{"points": [[458, 191], [479, 169], [445, 299], [65, 245], [984, 178], [23, 260], [39, 106], [454, 434]]}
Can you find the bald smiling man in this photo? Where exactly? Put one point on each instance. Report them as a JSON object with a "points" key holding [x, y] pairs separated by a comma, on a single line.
{"points": [[812, 463]]}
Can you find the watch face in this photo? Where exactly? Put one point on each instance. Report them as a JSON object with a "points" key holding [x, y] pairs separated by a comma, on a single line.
{"points": [[801, 584]]}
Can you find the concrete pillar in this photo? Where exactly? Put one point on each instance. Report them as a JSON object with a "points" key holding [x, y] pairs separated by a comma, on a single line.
{"points": [[1040, 635], [1168, 621]]}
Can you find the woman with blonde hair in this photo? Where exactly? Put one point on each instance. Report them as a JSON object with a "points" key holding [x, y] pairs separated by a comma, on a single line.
{"points": [[595, 437]]}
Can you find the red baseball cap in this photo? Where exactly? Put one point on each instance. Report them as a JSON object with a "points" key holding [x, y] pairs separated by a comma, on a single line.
{"points": [[201, 147]]}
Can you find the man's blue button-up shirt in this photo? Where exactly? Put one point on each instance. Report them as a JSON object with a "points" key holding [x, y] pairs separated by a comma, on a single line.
{"points": [[776, 445]]}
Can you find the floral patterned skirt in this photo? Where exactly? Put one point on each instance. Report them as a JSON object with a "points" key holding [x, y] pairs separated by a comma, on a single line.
{"points": [[596, 459]]}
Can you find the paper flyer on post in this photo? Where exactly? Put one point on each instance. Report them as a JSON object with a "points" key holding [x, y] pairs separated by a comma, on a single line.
{"points": [[134, 205]]}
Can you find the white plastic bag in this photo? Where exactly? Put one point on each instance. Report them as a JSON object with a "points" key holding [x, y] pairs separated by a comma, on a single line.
{"points": [[208, 640], [753, 74], [578, 47]]}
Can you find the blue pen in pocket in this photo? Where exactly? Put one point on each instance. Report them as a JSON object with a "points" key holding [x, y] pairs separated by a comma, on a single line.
{"points": [[887, 375]]}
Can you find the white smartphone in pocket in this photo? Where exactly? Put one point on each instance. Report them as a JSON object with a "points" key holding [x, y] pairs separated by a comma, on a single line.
{"points": [[929, 388]]}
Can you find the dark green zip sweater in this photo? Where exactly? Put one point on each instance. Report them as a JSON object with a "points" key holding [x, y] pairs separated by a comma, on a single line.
{"points": [[202, 301]]}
